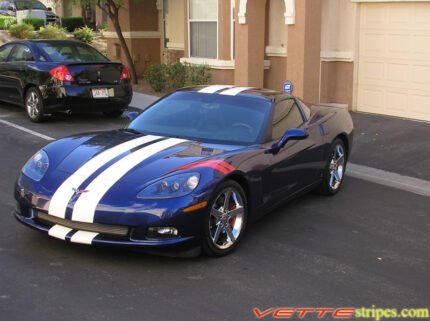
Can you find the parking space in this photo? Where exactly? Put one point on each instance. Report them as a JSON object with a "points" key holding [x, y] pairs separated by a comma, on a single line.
{"points": [[366, 246]]}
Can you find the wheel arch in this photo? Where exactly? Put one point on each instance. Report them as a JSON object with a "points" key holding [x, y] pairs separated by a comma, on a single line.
{"points": [[344, 138]]}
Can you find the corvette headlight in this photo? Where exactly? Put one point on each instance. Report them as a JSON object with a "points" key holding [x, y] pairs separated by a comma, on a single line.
{"points": [[170, 187], [37, 166]]}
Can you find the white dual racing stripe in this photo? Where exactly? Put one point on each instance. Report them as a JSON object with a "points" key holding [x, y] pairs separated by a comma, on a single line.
{"points": [[85, 206], [62, 196], [234, 91], [83, 237], [213, 89], [59, 231]]}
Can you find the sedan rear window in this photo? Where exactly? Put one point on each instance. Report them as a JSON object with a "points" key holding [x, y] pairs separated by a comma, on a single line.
{"points": [[71, 52]]}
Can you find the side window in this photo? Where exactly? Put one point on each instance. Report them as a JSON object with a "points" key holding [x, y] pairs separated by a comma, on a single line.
{"points": [[4, 5], [286, 115], [21, 53], [4, 52], [305, 108]]}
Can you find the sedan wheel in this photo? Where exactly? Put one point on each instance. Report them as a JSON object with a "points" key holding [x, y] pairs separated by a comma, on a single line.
{"points": [[34, 105], [335, 169], [227, 220]]}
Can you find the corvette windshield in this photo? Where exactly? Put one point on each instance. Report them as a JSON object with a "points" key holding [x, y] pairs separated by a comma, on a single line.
{"points": [[206, 117]]}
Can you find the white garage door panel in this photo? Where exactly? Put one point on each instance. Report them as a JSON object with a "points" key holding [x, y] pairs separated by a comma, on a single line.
{"points": [[394, 59]]}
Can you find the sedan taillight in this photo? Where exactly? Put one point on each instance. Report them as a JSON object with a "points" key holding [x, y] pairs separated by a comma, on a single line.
{"points": [[61, 73], [125, 75]]}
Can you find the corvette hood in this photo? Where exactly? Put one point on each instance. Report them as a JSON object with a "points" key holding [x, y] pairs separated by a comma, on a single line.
{"points": [[131, 158]]}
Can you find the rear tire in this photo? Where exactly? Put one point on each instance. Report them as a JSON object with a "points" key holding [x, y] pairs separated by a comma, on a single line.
{"points": [[226, 220], [34, 105], [334, 171], [114, 113]]}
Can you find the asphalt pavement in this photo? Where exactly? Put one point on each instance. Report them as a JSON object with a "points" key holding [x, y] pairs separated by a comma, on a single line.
{"points": [[368, 245]]}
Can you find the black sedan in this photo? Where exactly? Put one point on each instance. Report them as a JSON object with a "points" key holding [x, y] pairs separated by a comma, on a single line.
{"points": [[48, 76]]}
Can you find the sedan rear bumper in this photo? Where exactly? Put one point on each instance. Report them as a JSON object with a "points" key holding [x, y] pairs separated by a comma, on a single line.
{"points": [[80, 98]]}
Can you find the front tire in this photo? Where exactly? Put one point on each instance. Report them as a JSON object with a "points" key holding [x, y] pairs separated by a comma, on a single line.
{"points": [[226, 220], [34, 105], [334, 171]]}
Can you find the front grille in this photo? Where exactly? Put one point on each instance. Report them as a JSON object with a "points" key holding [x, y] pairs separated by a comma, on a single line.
{"points": [[90, 227]]}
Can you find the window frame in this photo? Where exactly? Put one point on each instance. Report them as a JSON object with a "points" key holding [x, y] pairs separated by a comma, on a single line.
{"points": [[17, 45], [13, 45], [275, 103], [189, 21]]}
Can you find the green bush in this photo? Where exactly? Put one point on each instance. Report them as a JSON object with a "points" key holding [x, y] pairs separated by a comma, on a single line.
{"points": [[6, 22], [72, 23], [197, 75], [156, 77], [176, 75], [173, 76], [52, 32], [22, 31], [84, 34], [35, 22]]}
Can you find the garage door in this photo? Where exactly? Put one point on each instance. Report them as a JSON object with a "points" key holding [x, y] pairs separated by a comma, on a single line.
{"points": [[394, 59]]}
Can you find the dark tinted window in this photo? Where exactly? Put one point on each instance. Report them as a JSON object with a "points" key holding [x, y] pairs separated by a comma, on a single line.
{"points": [[30, 4], [71, 52], [206, 117], [21, 53], [4, 52], [286, 115]]}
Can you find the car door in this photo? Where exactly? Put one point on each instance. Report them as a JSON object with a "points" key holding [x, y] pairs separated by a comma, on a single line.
{"points": [[5, 76], [20, 64], [297, 165]]}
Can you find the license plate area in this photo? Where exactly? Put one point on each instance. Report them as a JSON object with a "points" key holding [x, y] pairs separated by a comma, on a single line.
{"points": [[100, 93]]}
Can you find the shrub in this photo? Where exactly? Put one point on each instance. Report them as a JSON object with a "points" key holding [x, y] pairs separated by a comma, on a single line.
{"points": [[176, 75], [156, 76], [22, 31], [84, 34], [35, 22], [52, 32], [173, 76], [197, 75], [72, 23], [102, 32], [6, 22]]}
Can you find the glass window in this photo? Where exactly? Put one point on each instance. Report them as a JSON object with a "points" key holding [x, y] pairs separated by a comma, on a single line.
{"points": [[4, 52], [71, 52], [21, 53], [4, 5], [203, 18], [207, 118], [30, 4], [286, 115], [305, 108]]}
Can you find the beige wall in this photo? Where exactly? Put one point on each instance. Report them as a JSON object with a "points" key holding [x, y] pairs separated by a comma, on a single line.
{"points": [[275, 76], [337, 82], [277, 35], [175, 19]]}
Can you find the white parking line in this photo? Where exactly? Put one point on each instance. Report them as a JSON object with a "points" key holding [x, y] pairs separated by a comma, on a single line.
{"points": [[379, 176], [29, 131]]}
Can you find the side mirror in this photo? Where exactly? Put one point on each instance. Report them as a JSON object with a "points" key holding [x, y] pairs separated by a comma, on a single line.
{"points": [[290, 134], [49, 9], [132, 115], [11, 8]]}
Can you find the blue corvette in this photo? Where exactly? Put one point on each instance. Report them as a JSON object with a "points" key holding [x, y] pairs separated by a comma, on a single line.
{"points": [[189, 173]]}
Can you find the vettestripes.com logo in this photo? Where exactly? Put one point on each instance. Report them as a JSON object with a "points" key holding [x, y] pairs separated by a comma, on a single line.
{"points": [[372, 313]]}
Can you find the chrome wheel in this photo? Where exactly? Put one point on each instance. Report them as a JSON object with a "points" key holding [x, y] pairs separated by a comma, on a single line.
{"points": [[337, 167], [227, 218], [33, 105]]}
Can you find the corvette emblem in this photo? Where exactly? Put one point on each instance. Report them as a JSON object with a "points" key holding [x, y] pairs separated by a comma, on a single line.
{"points": [[79, 191]]}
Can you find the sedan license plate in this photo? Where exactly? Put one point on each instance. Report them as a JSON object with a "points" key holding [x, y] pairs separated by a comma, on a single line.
{"points": [[100, 93]]}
